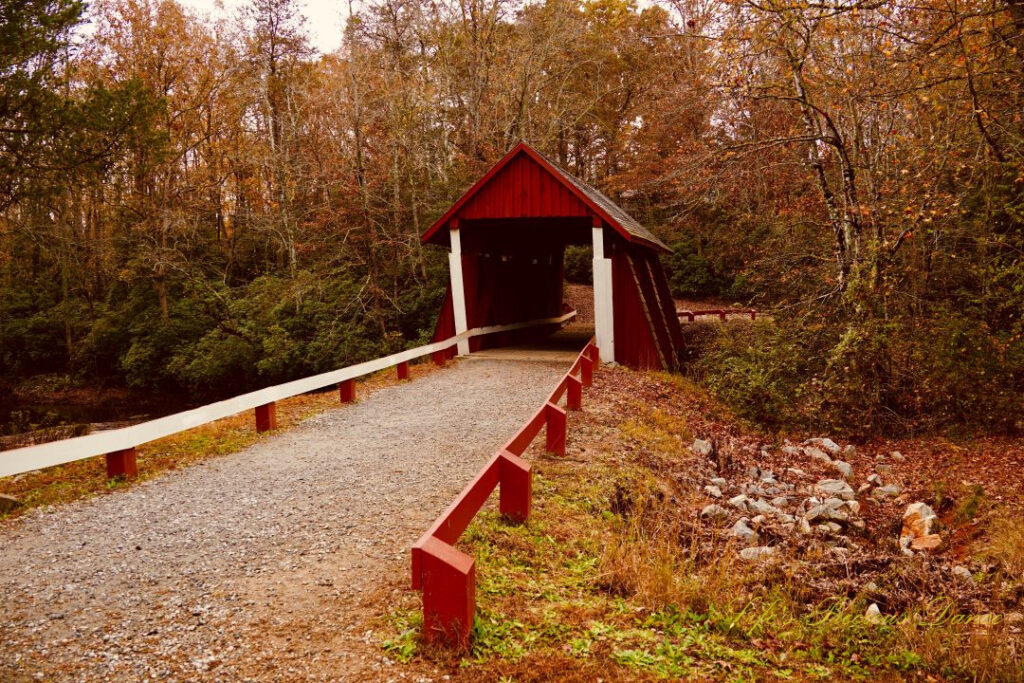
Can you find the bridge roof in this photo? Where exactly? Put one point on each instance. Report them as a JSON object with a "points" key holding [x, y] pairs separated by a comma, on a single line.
{"points": [[527, 184]]}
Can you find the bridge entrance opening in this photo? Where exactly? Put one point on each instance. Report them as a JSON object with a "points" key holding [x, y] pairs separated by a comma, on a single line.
{"points": [[507, 237]]}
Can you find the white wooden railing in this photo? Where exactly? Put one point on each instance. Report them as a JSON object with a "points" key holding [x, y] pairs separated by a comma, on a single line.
{"points": [[29, 458]]}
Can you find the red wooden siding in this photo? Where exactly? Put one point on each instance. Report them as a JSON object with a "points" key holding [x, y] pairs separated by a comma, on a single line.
{"points": [[647, 332], [523, 189]]}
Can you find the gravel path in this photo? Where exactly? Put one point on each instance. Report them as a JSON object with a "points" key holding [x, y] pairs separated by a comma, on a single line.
{"points": [[269, 564]]}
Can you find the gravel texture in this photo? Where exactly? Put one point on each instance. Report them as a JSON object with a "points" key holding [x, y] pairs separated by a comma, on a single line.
{"points": [[274, 563]]}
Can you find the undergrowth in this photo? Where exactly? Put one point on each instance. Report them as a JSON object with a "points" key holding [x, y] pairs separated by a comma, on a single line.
{"points": [[610, 578]]}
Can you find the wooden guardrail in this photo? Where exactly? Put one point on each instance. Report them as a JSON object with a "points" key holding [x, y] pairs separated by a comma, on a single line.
{"points": [[446, 575], [118, 445], [721, 313]]}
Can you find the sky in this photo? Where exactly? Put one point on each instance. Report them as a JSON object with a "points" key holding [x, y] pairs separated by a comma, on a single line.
{"points": [[325, 19]]}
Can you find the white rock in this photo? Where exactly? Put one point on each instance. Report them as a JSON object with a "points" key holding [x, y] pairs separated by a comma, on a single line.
{"points": [[828, 444], [849, 451], [794, 473], [835, 488], [897, 456], [884, 492], [919, 520], [739, 502], [844, 468], [792, 450], [963, 574], [757, 552], [713, 491], [719, 482], [874, 480], [873, 615], [742, 530], [817, 454], [702, 447], [715, 513], [761, 507]]}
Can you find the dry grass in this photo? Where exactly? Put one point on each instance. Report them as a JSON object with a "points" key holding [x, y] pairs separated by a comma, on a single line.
{"points": [[615, 577], [1006, 544], [84, 478]]}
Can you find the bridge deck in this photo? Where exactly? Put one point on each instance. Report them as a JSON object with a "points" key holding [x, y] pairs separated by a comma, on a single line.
{"points": [[257, 564], [561, 347]]}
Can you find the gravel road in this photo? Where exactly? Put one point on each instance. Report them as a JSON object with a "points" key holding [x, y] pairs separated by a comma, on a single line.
{"points": [[269, 564]]}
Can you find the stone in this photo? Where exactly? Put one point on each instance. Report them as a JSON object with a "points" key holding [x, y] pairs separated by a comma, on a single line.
{"points": [[753, 472], [897, 456], [767, 476], [882, 468], [780, 501], [827, 444], [742, 530], [8, 503], [757, 552], [713, 491], [794, 473], [761, 507], [853, 506], [919, 520], [873, 615], [886, 492], [702, 448], [739, 502], [874, 480], [715, 512], [817, 454], [836, 488], [844, 468], [963, 574], [829, 511], [792, 450], [863, 488], [758, 521], [719, 482], [849, 451], [929, 542]]}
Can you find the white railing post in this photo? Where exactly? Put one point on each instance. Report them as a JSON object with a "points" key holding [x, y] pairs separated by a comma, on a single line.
{"points": [[604, 318], [458, 288]]}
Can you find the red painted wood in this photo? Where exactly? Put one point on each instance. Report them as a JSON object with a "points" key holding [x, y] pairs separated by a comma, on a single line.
{"points": [[347, 391], [513, 188], [586, 371], [454, 520], [516, 487], [449, 593], [403, 370], [555, 431], [266, 417], [518, 444], [574, 398], [122, 464]]}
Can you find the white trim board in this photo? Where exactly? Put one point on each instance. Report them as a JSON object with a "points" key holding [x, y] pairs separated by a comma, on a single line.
{"points": [[28, 458]]}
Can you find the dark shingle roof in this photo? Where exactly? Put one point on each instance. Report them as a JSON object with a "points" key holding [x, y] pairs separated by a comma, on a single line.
{"points": [[595, 195]]}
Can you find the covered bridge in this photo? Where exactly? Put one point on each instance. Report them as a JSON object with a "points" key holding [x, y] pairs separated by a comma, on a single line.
{"points": [[507, 236]]}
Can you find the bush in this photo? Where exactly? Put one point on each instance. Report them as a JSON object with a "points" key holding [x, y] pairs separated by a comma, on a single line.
{"points": [[894, 376], [579, 265]]}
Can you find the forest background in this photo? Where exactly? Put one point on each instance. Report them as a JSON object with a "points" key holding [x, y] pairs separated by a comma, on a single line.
{"points": [[195, 205]]}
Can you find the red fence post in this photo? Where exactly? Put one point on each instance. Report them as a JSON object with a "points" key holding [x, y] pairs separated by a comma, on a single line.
{"points": [[721, 315], [516, 487], [266, 417], [122, 464], [448, 578], [555, 430], [586, 370], [574, 397], [347, 390], [753, 314], [403, 370]]}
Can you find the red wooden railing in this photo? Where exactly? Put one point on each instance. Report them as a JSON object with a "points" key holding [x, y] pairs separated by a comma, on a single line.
{"points": [[446, 575], [721, 313]]}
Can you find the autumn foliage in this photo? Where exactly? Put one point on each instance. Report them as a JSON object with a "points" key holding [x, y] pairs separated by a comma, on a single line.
{"points": [[208, 204]]}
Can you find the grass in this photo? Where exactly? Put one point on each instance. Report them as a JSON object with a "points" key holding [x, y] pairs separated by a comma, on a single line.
{"points": [[85, 478], [611, 578]]}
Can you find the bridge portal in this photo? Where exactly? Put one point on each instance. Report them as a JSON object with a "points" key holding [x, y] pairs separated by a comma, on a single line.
{"points": [[506, 238]]}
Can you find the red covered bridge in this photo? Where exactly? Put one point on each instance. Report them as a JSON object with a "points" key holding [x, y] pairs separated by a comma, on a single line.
{"points": [[507, 236]]}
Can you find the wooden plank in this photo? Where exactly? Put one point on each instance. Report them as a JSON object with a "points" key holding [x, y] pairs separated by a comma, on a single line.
{"points": [[40, 456]]}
